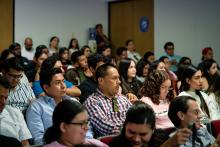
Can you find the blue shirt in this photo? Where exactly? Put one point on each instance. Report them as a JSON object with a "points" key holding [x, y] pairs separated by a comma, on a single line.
{"points": [[174, 57], [38, 90]]}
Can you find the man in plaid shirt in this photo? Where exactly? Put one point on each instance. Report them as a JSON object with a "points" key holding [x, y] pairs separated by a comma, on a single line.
{"points": [[107, 110]]}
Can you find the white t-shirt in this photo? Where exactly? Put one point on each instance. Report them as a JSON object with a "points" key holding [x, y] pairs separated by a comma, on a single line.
{"points": [[28, 54], [12, 124]]}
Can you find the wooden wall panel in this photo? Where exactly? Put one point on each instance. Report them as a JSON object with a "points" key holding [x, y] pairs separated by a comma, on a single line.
{"points": [[6, 25]]}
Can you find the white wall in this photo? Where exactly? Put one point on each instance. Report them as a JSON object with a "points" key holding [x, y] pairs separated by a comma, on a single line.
{"points": [[42, 19], [190, 24]]}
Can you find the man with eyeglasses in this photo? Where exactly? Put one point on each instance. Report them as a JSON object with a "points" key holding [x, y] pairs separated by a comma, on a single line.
{"points": [[12, 123], [185, 114], [20, 93], [169, 52], [106, 108]]}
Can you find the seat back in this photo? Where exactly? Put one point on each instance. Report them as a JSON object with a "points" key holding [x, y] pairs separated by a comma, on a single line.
{"points": [[215, 125], [106, 139]]}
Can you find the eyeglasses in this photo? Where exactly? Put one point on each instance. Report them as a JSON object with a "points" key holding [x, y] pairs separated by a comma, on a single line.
{"points": [[196, 111], [84, 125], [166, 88], [16, 77]]}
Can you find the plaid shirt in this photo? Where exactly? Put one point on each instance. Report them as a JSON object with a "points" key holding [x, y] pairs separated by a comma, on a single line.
{"points": [[102, 116]]}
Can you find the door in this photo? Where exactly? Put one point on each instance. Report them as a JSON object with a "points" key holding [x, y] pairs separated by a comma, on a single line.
{"points": [[124, 23]]}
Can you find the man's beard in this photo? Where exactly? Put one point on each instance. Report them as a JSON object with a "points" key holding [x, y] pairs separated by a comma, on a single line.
{"points": [[29, 48]]}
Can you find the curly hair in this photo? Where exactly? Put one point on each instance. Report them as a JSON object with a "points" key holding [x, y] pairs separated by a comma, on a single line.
{"points": [[152, 84]]}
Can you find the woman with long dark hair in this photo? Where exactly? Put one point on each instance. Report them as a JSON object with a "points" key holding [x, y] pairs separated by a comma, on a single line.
{"points": [[191, 85]]}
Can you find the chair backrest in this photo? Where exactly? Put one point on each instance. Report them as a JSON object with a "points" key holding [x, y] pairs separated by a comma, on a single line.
{"points": [[106, 139], [215, 124]]}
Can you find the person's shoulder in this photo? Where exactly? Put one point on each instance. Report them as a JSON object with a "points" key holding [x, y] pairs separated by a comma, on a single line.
{"points": [[12, 110], [92, 99]]}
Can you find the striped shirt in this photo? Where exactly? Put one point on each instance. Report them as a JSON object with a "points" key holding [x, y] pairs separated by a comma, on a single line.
{"points": [[21, 96], [101, 112]]}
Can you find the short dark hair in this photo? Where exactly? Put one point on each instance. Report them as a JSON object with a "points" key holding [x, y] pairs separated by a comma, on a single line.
{"points": [[65, 111], [168, 44], [93, 59], [120, 50], [14, 45], [128, 41], [178, 104], [49, 62], [39, 51], [4, 82], [98, 25], [147, 54], [75, 56], [163, 58], [102, 70], [46, 76], [141, 113], [14, 63]]}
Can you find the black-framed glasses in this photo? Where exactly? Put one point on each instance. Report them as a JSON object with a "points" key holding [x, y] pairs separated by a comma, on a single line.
{"points": [[84, 124]]}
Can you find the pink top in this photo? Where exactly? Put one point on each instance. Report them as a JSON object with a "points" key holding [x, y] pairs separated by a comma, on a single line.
{"points": [[161, 112], [87, 141], [54, 144]]}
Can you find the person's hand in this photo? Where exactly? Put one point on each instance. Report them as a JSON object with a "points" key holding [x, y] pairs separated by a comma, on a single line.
{"points": [[182, 136], [217, 142], [132, 98]]}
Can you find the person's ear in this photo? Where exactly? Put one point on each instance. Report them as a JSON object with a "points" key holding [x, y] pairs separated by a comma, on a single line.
{"points": [[180, 115], [45, 87], [100, 80], [63, 127], [187, 80], [91, 69]]}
